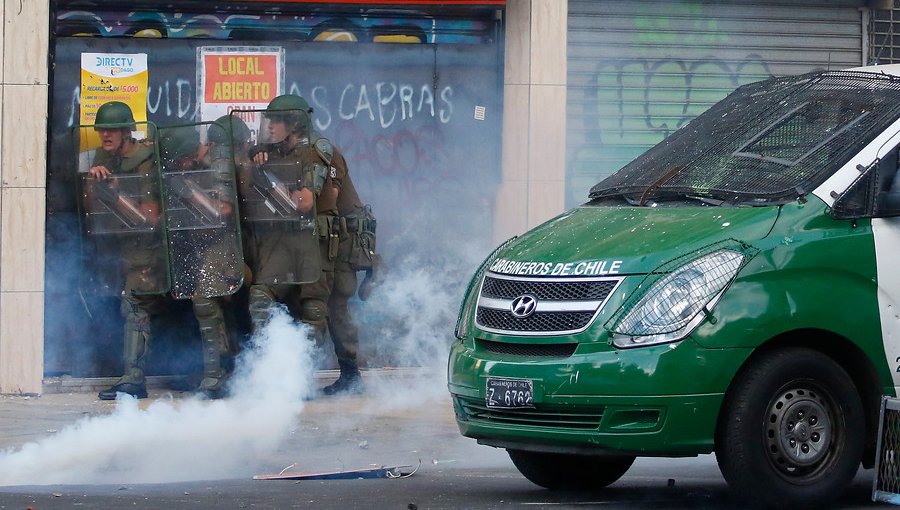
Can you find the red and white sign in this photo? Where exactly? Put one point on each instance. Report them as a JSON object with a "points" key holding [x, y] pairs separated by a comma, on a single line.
{"points": [[238, 78]]}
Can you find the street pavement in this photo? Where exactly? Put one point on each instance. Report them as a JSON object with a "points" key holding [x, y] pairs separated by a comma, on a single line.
{"points": [[391, 425]]}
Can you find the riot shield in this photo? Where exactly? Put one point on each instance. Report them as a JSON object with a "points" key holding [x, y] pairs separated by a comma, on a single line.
{"points": [[279, 188], [120, 203], [205, 255]]}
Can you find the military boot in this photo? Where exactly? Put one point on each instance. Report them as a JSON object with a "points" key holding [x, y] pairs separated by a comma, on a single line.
{"points": [[214, 338], [215, 377], [261, 300], [349, 382], [133, 382]]}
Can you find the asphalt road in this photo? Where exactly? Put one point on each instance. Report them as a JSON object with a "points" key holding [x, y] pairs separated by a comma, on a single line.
{"points": [[651, 483], [337, 434]]}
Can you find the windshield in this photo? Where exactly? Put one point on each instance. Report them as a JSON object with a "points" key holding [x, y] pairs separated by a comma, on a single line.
{"points": [[766, 143]]}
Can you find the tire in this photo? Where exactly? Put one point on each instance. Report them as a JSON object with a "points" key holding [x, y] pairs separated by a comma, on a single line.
{"points": [[560, 471], [792, 430]]}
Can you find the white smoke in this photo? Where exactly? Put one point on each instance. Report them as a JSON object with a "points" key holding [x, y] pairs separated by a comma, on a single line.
{"points": [[411, 318], [187, 439], [411, 315]]}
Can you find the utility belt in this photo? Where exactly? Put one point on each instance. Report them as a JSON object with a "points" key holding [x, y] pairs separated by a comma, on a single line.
{"points": [[265, 227], [328, 226], [352, 224], [359, 231]]}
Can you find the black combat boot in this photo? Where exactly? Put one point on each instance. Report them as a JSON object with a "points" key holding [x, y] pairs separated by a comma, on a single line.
{"points": [[137, 343], [349, 382], [135, 390]]}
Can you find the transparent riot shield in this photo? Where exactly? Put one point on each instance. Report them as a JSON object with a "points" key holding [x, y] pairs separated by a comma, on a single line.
{"points": [[279, 186], [205, 255], [121, 209]]}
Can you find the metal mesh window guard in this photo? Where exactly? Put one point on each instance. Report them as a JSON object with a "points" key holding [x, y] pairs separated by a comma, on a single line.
{"points": [[665, 308], [884, 36], [767, 142]]}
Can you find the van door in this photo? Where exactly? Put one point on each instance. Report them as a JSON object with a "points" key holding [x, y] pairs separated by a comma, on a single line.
{"points": [[886, 232]]}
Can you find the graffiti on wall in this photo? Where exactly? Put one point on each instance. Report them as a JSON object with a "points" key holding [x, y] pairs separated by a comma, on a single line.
{"points": [[324, 25], [629, 105], [401, 114], [382, 136], [660, 96]]}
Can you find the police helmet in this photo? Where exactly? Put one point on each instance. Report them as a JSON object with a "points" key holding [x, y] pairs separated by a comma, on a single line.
{"points": [[176, 142], [292, 110], [114, 115], [227, 130], [288, 102]]}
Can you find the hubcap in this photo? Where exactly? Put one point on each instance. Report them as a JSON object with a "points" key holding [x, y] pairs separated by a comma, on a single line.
{"points": [[799, 431]]}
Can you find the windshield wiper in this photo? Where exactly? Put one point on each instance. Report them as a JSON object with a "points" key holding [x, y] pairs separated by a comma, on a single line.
{"points": [[708, 201], [659, 182]]}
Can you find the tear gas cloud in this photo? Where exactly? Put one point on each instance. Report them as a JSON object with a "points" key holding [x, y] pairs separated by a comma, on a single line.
{"points": [[408, 321], [182, 440]]}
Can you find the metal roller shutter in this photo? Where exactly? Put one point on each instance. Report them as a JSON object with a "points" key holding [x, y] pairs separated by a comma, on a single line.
{"points": [[639, 70]]}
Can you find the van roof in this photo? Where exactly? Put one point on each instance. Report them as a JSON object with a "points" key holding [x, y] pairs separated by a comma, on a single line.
{"points": [[892, 69]]}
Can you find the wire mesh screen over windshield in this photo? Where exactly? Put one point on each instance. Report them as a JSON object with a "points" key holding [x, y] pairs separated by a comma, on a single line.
{"points": [[767, 142]]}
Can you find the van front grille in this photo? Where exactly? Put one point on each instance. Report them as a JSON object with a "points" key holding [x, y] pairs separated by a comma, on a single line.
{"points": [[551, 291], [528, 350], [523, 305], [551, 321], [552, 416]]}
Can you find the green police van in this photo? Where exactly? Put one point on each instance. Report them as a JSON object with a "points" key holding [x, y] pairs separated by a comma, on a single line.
{"points": [[732, 290]]}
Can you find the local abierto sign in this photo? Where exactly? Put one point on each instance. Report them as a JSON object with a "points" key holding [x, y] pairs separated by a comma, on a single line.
{"points": [[109, 77], [238, 78]]}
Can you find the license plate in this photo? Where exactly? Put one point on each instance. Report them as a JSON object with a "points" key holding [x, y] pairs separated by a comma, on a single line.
{"points": [[509, 393]]}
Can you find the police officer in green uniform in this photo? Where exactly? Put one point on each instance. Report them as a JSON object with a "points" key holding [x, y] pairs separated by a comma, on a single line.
{"points": [[314, 296], [227, 136], [357, 228], [289, 184], [207, 267], [120, 155]]}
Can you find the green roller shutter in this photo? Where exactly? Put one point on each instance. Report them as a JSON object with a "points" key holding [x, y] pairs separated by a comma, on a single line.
{"points": [[638, 70]]}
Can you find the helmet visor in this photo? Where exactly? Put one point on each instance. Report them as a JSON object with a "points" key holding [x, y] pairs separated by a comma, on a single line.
{"points": [[278, 125]]}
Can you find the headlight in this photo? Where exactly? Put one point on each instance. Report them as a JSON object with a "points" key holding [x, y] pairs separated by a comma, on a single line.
{"points": [[670, 310]]}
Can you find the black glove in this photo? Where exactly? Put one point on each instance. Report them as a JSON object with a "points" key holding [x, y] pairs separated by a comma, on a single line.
{"points": [[372, 279]]}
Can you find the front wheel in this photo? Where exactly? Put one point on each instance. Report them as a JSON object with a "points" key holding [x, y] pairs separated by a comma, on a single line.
{"points": [[570, 472], [792, 430]]}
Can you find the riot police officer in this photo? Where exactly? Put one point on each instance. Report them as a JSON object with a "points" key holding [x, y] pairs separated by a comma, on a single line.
{"points": [[123, 173], [291, 194], [207, 265]]}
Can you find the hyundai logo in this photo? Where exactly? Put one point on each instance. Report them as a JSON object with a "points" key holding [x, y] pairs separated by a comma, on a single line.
{"points": [[523, 306]]}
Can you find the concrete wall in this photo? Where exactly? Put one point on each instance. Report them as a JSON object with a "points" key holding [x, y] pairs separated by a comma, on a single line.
{"points": [[23, 170], [532, 191], [534, 116]]}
